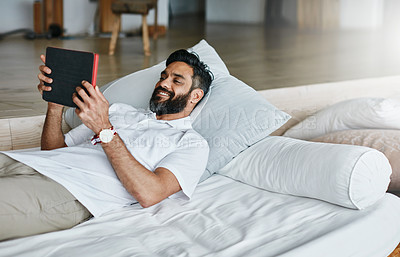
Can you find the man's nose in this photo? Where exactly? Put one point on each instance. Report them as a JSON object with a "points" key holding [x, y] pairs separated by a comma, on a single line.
{"points": [[166, 83]]}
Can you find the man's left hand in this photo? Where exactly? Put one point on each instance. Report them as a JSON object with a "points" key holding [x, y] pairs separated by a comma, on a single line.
{"points": [[93, 108]]}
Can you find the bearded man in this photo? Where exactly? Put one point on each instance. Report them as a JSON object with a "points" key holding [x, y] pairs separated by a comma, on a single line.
{"points": [[119, 156]]}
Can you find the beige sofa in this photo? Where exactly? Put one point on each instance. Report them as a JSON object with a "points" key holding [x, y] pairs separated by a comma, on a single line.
{"points": [[299, 102]]}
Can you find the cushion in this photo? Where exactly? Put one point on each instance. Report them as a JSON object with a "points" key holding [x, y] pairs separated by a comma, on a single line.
{"points": [[384, 140], [350, 176], [360, 113], [232, 117]]}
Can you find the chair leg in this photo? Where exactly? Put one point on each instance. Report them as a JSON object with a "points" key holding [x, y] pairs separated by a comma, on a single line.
{"points": [[114, 35], [146, 41], [155, 34]]}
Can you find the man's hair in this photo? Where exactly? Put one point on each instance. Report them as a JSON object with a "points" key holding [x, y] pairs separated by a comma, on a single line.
{"points": [[202, 76]]}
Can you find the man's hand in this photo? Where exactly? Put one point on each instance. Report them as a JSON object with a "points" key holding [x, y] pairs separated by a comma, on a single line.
{"points": [[42, 76], [93, 108], [52, 135]]}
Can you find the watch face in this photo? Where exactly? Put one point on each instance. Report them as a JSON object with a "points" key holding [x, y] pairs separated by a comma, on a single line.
{"points": [[106, 135]]}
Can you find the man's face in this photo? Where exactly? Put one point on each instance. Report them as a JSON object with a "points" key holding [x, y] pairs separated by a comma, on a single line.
{"points": [[173, 90]]}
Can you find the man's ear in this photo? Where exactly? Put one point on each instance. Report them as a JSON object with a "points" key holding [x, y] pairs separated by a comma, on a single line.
{"points": [[196, 95]]}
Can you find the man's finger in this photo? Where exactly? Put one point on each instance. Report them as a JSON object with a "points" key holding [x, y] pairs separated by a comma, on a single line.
{"points": [[43, 78], [78, 111], [100, 94], [42, 88], [44, 69], [89, 87], [80, 91], [77, 101], [43, 58]]}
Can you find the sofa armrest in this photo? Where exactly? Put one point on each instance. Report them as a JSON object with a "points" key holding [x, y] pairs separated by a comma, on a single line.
{"points": [[23, 133]]}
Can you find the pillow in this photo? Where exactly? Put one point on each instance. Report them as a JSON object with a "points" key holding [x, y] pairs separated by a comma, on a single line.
{"points": [[234, 118], [360, 113], [350, 176], [386, 141], [231, 118]]}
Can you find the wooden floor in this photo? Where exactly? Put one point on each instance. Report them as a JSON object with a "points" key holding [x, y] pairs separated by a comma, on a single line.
{"points": [[262, 56]]}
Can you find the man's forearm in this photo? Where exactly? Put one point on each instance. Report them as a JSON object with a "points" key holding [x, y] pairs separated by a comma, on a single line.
{"points": [[52, 135], [146, 187]]}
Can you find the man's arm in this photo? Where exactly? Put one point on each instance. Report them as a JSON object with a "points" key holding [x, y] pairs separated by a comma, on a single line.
{"points": [[147, 187], [52, 135]]}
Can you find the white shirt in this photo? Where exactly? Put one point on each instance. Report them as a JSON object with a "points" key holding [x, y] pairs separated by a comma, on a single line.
{"points": [[84, 170]]}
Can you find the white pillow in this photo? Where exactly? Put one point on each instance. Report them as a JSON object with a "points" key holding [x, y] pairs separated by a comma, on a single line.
{"points": [[234, 118], [350, 176], [360, 113]]}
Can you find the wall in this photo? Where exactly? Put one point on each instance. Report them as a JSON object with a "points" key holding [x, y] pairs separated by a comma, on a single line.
{"points": [[391, 17], [78, 16], [183, 7], [361, 14], [16, 15], [235, 11], [353, 14]]}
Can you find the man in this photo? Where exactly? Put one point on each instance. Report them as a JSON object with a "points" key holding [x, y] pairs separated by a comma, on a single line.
{"points": [[117, 157]]}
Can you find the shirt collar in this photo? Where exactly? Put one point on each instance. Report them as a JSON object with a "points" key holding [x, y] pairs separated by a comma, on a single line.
{"points": [[183, 123]]}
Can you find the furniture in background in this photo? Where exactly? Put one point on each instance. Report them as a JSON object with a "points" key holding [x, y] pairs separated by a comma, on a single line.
{"points": [[141, 7], [53, 10], [48, 19]]}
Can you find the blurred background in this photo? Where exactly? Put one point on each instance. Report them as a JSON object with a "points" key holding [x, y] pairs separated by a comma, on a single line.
{"points": [[265, 43]]}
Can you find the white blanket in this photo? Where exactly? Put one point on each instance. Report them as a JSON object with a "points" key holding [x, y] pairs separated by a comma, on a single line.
{"points": [[227, 218]]}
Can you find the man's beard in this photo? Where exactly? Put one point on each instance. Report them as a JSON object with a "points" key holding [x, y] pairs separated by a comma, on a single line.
{"points": [[169, 106]]}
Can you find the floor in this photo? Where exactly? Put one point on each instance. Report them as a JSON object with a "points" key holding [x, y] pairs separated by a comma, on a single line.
{"points": [[262, 56]]}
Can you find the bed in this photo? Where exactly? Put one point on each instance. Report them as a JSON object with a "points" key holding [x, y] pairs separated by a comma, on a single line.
{"points": [[228, 215]]}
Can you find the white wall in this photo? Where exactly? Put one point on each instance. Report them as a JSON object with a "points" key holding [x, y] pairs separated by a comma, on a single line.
{"points": [[391, 17], [16, 15], [235, 11], [78, 16], [361, 14], [354, 14]]}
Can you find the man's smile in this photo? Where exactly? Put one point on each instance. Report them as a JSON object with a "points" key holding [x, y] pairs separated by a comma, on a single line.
{"points": [[162, 93]]}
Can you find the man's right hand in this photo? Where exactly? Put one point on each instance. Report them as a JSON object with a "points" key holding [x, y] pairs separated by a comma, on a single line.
{"points": [[52, 135], [42, 76]]}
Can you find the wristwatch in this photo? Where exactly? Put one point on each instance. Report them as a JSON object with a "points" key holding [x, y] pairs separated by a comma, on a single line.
{"points": [[105, 136]]}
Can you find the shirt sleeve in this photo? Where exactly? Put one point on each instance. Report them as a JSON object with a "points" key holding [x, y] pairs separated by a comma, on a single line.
{"points": [[81, 133], [78, 135], [187, 162]]}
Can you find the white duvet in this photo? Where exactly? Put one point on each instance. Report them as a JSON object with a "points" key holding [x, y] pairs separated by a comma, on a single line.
{"points": [[227, 218]]}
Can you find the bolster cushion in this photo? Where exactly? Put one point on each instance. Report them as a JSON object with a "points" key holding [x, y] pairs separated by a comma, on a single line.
{"points": [[350, 176]]}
